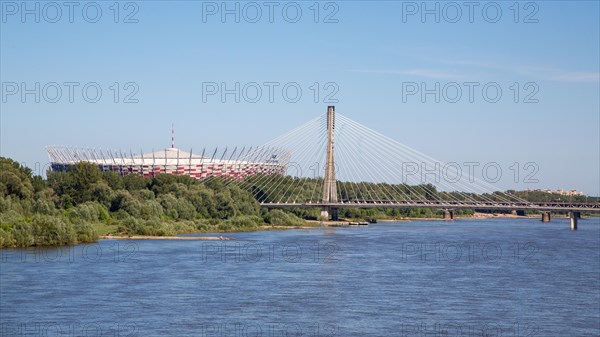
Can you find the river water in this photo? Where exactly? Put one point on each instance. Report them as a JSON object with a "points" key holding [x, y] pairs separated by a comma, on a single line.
{"points": [[495, 277]]}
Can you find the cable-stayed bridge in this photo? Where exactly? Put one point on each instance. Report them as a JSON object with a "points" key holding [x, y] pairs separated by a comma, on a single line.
{"points": [[335, 162], [329, 163]]}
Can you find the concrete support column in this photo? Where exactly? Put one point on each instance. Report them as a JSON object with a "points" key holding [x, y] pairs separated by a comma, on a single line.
{"points": [[329, 179], [573, 216], [448, 214], [330, 213], [545, 216], [334, 214]]}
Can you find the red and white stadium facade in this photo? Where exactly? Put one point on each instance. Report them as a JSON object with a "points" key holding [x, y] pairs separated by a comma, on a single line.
{"points": [[262, 160]]}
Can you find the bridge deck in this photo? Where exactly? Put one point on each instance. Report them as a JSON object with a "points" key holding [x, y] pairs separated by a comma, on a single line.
{"points": [[534, 206]]}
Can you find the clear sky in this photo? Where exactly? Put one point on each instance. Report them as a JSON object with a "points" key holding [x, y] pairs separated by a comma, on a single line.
{"points": [[167, 56]]}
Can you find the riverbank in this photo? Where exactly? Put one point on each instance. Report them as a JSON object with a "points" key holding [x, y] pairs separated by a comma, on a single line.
{"points": [[117, 236], [308, 224], [473, 216], [150, 237]]}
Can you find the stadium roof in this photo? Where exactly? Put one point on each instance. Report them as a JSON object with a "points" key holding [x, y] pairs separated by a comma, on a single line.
{"points": [[168, 156]]}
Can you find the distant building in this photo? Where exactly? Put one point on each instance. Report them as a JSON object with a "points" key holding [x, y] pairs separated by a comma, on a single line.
{"points": [[558, 191], [561, 192], [573, 193], [264, 160]]}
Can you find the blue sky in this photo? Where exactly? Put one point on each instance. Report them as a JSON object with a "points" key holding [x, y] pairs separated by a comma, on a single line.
{"points": [[372, 55]]}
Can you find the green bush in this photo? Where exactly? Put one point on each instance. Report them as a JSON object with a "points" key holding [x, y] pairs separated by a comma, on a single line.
{"points": [[186, 210], [125, 202], [151, 209], [15, 179], [130, 225], [52, 231], [102, 193], [8, 203], [156, 227], [8, 219], [103, 214], [153, 227], [203, 201], [86, 232], [207, 225], [241, 222], [85, 213], [6, 238], [44, 205], [143, 195], [224, 206], [278, 217], [45, 230], [134, 182], [23, 235], [176, 208]]}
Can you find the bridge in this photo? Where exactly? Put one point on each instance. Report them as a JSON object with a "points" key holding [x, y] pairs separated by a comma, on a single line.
{"points": [[447, 205], [337, 163]]}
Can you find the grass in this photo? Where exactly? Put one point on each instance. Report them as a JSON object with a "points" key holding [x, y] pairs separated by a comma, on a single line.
{"points": [[104, 229]]}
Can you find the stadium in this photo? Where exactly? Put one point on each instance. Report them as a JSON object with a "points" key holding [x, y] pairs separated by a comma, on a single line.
{"points": [[235, 164]]}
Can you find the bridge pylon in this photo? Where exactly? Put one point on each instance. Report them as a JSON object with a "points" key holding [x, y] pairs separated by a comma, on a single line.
{"points": [[329, 179]]}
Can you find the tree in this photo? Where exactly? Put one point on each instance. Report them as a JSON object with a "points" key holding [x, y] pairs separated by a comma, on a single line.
{"points": [[15, 179], [123, 201], [84, 176], [134, 182]]}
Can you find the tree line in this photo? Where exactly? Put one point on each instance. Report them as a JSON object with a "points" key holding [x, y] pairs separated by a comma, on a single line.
{"points": [[79, 205], [84, 202]]}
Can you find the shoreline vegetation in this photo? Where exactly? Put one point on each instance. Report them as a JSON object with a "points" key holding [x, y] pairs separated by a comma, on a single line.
{"points": [[312, 224], [86, 204], [150, 237]]}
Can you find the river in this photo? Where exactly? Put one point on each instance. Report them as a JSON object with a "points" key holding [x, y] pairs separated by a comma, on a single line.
{"points": [[492, 277]]}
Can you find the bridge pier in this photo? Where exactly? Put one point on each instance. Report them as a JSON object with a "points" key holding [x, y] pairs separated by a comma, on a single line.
{"points": [[330, 213], [573, 216], [545, 216], [334, 214], [448, 214], [520, 212]]}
